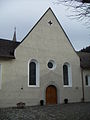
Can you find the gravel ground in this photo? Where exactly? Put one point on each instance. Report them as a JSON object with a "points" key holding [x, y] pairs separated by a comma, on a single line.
{"points": [[76, 111]]}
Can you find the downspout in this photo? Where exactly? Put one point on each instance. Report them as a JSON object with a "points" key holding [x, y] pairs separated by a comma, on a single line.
{"points": [[83, 94]]}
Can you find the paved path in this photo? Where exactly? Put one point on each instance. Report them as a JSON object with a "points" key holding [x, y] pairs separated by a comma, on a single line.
{"points": [[77, 111]]}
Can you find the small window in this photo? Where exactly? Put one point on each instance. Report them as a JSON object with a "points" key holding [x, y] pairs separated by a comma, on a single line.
{"points": [[67, 75], [33, 73], [87, 80], [51, 64]]}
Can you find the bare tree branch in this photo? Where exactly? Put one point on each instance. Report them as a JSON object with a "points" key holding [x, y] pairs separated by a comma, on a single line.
{"points": [[81, 9]]}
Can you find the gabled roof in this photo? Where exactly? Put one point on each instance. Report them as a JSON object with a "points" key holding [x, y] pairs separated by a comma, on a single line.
{"points": [[7, 48], [56, 20], [84, 59]]}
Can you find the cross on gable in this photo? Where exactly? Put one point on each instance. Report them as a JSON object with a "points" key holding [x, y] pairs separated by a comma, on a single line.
{"points": [[50, 22]]}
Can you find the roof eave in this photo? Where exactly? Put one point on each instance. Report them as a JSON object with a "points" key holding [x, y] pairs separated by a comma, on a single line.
{"points": [[7, 57]]}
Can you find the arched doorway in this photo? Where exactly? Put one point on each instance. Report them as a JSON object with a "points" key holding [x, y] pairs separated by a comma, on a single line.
{"points": [[51, 95]]}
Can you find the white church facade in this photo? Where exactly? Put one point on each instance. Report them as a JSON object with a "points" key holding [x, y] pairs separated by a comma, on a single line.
{"points": [[43, 66]]}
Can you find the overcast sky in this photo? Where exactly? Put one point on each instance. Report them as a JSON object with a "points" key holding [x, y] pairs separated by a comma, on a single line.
{"points": [[23, 14]]}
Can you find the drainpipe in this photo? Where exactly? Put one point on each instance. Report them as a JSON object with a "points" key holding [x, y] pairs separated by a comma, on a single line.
{"points": [[83, 97]]}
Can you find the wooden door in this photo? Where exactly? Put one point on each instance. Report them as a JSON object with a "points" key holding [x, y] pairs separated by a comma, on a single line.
{"points": [[51, 95]]}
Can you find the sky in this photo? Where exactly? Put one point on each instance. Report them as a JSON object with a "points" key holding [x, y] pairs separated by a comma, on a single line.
{"points": [[23, 14]]}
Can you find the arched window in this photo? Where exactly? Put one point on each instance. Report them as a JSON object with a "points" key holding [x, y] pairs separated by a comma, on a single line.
{"points": [[33, 73], [87, 78], [67, 75]]}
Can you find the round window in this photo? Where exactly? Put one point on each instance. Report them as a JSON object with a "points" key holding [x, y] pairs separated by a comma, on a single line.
{"points": [[51, 65]]}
